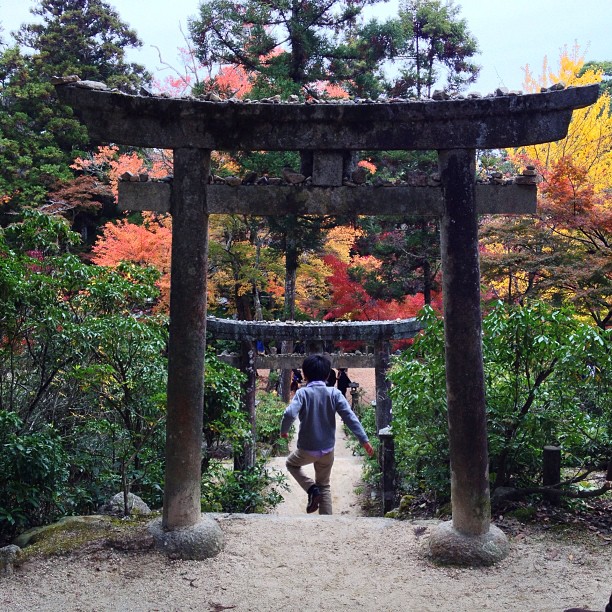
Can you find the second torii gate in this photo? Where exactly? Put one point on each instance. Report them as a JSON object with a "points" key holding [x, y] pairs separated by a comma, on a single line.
{"points": [[454, 128], [315, 335]]}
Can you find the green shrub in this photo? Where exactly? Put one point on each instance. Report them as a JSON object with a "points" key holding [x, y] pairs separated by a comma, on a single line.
{"points": [[419, 412], [547, 377], [225, 422], [269, 412], [33, 476], [253, 490]]}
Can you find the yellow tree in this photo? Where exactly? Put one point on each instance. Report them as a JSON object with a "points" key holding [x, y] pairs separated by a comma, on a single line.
{"points": [[564, 252], [589, 139]]}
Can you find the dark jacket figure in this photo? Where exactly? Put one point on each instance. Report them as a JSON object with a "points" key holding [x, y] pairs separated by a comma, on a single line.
{"points": [[331, 379], [296, 379], [343, 381]]}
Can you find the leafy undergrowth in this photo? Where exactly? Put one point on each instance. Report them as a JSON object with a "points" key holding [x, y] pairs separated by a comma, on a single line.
{"points": [[592, 518], [585, 520]]}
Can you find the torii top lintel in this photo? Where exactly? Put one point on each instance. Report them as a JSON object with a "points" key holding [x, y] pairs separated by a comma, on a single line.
{"points": [[171, 123], [313, 331]]}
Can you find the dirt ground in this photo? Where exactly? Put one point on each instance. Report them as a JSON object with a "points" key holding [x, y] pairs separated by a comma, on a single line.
{"points": [[294, 561]]}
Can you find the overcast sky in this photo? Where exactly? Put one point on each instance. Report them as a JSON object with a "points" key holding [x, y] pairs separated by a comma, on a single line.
{"points": [[510, 33]]}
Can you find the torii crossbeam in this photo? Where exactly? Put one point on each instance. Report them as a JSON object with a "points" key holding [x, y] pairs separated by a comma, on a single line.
{"points": [[454, 128]]}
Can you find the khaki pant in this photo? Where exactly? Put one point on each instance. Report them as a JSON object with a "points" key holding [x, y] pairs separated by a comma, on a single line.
{"points": [[322, 468]]}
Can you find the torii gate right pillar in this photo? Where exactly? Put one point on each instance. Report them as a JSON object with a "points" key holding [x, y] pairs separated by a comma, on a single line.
{"points": [[469, 537]]}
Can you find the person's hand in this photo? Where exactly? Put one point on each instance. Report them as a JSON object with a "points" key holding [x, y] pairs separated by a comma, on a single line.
{"points": [[284, 435], [368, 449]]}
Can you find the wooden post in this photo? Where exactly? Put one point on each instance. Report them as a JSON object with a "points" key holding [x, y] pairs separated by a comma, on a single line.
{"points": [[471, 506], [354, 387], [382, 360], [551, 471], [386, 459], [187, 343], [246, 459]]}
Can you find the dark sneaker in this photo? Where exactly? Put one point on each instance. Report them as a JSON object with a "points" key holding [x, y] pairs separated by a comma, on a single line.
{"points": [[314, 497]]}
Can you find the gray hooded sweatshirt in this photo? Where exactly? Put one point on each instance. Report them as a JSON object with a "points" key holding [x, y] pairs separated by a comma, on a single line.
{"points": [[317, 405]]}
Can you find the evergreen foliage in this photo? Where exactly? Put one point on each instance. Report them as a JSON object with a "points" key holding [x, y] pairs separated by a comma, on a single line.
{"points": [[38, 136], [289, 45], [438, 41], [547, 380]]}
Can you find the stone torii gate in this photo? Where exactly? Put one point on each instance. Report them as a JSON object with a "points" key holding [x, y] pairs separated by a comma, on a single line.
{"points": [[454, 128], [315, 335]]}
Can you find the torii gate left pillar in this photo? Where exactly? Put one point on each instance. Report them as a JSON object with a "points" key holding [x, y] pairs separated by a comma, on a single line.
{"points": [[187, 342], [453, 128]]}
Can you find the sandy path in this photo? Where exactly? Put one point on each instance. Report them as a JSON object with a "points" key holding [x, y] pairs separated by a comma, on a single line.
{"points": [[312, 563]]}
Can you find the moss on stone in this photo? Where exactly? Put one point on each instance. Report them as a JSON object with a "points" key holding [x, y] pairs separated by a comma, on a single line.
{"points": [[75, 532]]}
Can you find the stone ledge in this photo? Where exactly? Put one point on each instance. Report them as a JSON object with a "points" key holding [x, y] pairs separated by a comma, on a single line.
{"points": [[479, 123], [312, 331], [272, 200]]}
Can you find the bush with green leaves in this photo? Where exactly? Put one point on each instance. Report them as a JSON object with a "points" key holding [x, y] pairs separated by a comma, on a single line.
{"points": [[269, 412], [226, 426], [34, 471], [79, 351], [83, 379], [252, 490], [548, 381]]}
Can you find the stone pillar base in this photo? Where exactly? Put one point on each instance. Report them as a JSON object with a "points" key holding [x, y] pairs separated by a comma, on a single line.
{"points": [[447, 545], [200, 541]]}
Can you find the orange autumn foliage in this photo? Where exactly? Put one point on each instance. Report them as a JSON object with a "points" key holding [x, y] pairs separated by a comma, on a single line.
{"points": [[233, 81], [107, 161], [148, 244], [368, 165], [351, 302]]}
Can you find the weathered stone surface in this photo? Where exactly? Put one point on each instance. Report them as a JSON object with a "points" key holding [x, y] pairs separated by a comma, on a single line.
{"points": [[187, 338], [115, 505], [359, 175], [63, 80], [448, 546], [8, 556], [527, 180], [301, 200], [292, 177], [151, 195], [38, 533], [197, 542], [480, 123], [465, 389], [440, 94], [327, 168], [95, 85]]}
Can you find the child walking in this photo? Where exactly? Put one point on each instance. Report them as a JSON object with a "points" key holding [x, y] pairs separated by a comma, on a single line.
{"points": [[316, 404]]}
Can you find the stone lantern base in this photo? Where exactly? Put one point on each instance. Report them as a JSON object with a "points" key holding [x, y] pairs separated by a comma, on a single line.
{"points": [[449, 546], [196, 542]]}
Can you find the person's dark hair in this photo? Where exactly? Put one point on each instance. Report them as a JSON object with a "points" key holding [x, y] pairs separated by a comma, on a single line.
{"points": [[316, 367]]}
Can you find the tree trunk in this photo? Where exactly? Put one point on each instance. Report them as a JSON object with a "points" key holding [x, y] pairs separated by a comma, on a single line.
{"points": [[291, 265]]}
